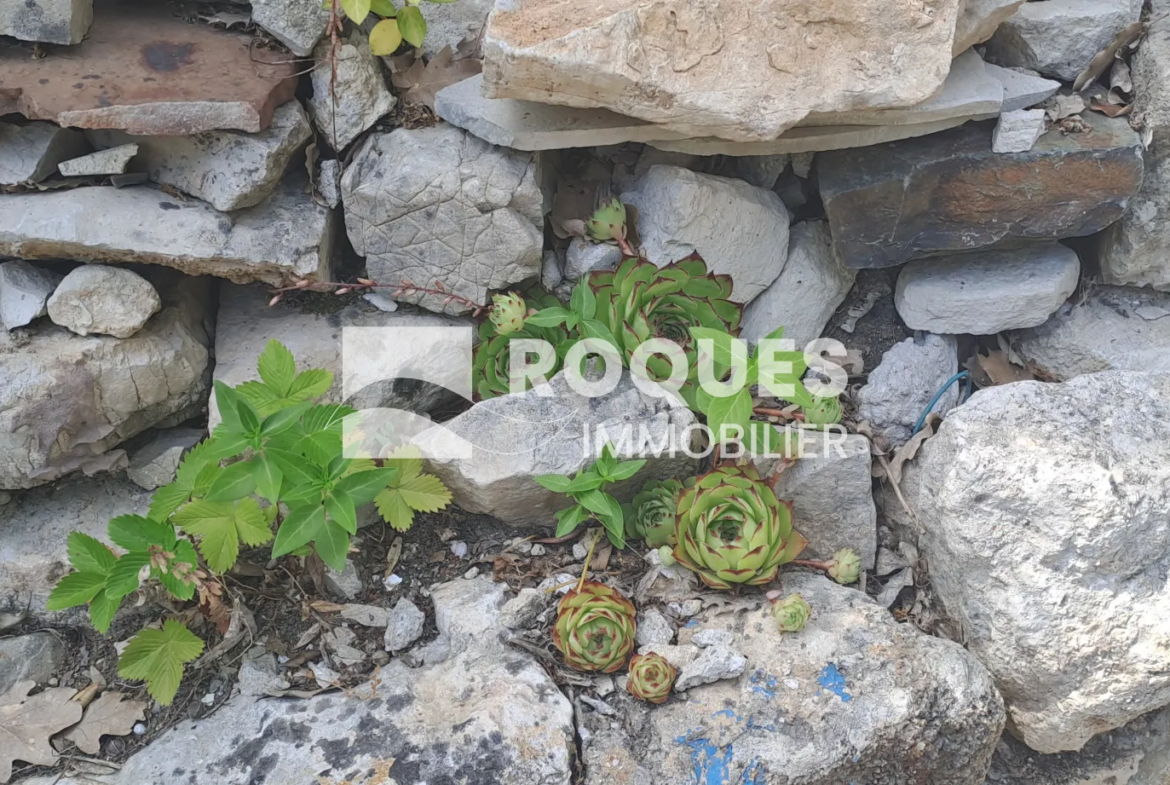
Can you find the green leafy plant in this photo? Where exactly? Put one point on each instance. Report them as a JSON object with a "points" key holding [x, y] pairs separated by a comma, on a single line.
{"points": [[587, 489], [395, 26], [652, 513], [275, 460], [791, 613]]}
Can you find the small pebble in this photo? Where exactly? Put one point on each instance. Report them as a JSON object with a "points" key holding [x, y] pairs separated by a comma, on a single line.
{"points": [[139, 729], [459, 548], [580, 551], [538, 550], [208, 699], [53, 682], [472, 573], [391, 581]]}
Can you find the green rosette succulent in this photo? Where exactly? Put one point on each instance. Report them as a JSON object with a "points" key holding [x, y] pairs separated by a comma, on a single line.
{"points": [[595, 627], [507, 313], [822, 411], [651, 677], [732, 530], [492, 357], [791, 613], [845, 567], [653, 511], [608, 222]]}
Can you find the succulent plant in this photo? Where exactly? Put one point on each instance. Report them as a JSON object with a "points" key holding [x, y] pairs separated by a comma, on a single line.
{"points": [[653, 512], [791, 613], [608, 222], [651, 677], [491, 359], [845, 566], [732, 530], [824, 410], [595, 628], [507, 313]]}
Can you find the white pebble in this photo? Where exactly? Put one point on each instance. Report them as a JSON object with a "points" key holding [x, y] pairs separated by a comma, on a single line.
{"points": [[472, 573], [459, 548], [538, 550], [139, 729], [391, 582], [208, 699]]}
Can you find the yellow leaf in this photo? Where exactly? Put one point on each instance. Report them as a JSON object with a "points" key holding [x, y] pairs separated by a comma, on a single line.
{"points": [[385, 38]]}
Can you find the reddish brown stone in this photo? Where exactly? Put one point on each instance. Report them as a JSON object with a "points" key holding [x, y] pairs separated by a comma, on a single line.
{"points": [[144, 70]]}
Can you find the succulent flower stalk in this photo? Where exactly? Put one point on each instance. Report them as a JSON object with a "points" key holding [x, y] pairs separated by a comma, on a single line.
{"points": [[507, 313], [651, 677], [608, 222], [791, 613], [845, 567], [595, 628], [731, 529], [492, 357], [653, 512]]}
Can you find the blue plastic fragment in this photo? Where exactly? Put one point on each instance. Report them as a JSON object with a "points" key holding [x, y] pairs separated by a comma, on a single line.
{"points": [[833, 680]]}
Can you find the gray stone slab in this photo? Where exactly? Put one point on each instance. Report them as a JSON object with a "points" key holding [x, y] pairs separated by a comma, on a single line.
{"points": [[1021, 90], [30, 153], [48, 21], [103, 162]]}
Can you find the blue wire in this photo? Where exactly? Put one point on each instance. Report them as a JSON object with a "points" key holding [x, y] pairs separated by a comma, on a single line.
{"points": [[966, 394]]}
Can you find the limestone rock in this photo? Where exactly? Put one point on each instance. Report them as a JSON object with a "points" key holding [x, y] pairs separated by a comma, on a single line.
{"points": [[908, 376], [1071, 619], [807, 292], [404, 626], [100, 164], [854, 697], [48, 21], [24, 291], [950, 192], [1017, 132], [516, 437], [345, 105], [75, 398], [95, 299], [670, 63], [228, 169], [284, 238], [32, 657], [346, 583], [653, 629], [1021, 90], [450, 23], [298, 24], [30, 153], [986, 293], [979, 19], [1114, 328], [155, 463], [437, 204], [1058, 38], [739, 230], [584, 256]]}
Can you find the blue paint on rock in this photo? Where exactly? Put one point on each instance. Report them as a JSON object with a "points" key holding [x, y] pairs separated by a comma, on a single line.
{"points": [[833, 680]]}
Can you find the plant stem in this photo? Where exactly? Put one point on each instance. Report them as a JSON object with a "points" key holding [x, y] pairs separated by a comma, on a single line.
{"points": [[816, 565], [588, 558]]}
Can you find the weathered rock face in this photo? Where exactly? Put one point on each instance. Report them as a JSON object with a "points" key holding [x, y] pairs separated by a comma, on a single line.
{"points": [[450, 23], [583, 257], [671, 62], [950, 192], [986, 293], [739, 229], [854, 697], [1021, 90], [155, 463], [283, 238], [32, 657], [24, 293], [1047, 536], [299, 24], [69, 399], [95, 299], [48, 21], [1017, 132], [147, 71], [30, 153], [903, 383], [437, 204], [100, 164], [345, 105], [516, 437], [1114, 328], [227, 169], [978, 20]]}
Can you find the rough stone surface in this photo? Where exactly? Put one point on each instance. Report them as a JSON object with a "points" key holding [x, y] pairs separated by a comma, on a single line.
{"points": [[227, 169], [298, 24], [284, 238], [155, 74], [761, 171], [1021, 90], [32, 657], [1136, 249], [714, 663], [670, 63], [583, 257], [104, 162], [1066, 485], [437, 204], [96, 299], [1113, 328], [1017, 132], [950, 192], [853, 698], [653, 629], [346, 583], [522, 610], [681, 212], [30, 153], [978, 20], [1058, 38], [908, 376], [24, 291], [155, 463], [807, 292], [345, 105], [450, 23], [985, 293], [404, 626], [75, 398], [35, 527], [48, 21], [516, 437]]}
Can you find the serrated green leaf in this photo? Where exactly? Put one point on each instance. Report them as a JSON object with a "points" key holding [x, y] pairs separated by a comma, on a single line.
{"points": [[412, 25], [263, 399], [312, 383], [425, 493], [215, 525], [295, 467], [123, 578], [299, 528], [326, 417], [281, 421], [268, 477], [167, 499], [249, 418], [88, 554], [102, 609], [135, 533], [277, 367], [251, 524], [394, 509], [157, 657], [76, 588], [184, 553], [235, 482], [227, 402]]}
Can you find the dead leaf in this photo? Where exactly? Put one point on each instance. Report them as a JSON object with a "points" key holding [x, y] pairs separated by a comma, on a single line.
{"points": [[419, 82], [909, 450], [1000, 370], [1112, 110], [860, 310], [393, 554], [471, 45], [26, 723], [1120, 77], [1059, 107], [324, 606], [1102, 59], [109, 715], [228, 20]]}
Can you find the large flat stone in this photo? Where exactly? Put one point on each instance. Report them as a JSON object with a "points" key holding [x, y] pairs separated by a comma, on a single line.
{"points": [[68, 400], [979, 19], [103, 163], [671, 62], [349, 90], [145, 70], [284, 238], [30, 153], [47, 21], [950, 192], [1021, 90]]}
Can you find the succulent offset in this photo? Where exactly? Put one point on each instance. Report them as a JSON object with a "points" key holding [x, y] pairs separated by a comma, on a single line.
{"points": [[492, 356], [651, 677], [823, 411], [845, 566], [507, 313], [595, 627], [653, 512], [791, 613], [733, 530], [608, 222]]}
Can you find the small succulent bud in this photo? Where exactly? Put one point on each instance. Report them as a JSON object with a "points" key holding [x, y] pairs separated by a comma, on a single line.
{"points": [[508, 313], [666, 555], [608, 221], [651, 677], [845, 566], [823, 411], [791, 613]]}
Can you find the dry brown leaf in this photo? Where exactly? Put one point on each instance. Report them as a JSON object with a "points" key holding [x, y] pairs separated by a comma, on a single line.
{"points": [[26, 723], [227, 20], [324, 606], [1102, 59], [419, 82], [909, 450], [393, 554], [1000, 370], [1120, 77], [109, 715], [1112, 110]]}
